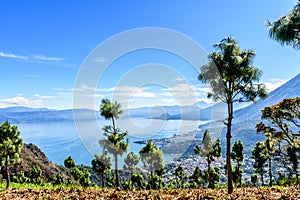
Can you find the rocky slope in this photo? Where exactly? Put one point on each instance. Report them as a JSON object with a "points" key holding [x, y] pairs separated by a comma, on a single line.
{"points": [[31, 156]]}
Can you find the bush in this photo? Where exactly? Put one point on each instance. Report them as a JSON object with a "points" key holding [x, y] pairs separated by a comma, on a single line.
{"points": [[59, 180], [20, 178], [36, 175]]}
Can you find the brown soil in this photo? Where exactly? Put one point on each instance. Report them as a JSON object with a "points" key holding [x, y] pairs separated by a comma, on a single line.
{"points": [[241, 193]]}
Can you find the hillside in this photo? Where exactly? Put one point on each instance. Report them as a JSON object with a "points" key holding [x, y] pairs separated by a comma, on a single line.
{"points": [[290, 89], [31, 156], [244, 120]]}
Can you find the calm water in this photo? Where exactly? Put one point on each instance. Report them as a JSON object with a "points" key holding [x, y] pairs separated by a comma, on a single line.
{"points": [[62, 139]]}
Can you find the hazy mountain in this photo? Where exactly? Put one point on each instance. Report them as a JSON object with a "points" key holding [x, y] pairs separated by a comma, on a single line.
{"points": [[21, 109], [290, 89], [164, 112], [245, 119], [17, 115]]}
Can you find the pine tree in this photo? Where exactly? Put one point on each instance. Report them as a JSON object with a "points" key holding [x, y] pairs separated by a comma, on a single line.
{"points": [[293, 153], [152, 158], [116, 142], [237, 154], [130, 163], [233, 79], [260, 156], [181, 175], [10, 148], [69, 162], [209, 150], [101, 165]]}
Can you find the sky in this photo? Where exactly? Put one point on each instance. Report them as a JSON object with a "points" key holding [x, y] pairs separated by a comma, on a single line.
{"points": [[45, 44]]}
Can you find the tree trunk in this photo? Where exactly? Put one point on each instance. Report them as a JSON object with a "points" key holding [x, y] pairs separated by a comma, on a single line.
{"points": [[116, 171], [208, 169], [102, 181], [131, 180], [228, 146], [270, 171], [240, 174], [151, 182], [262, 179], [7, 177], [297, 181]]}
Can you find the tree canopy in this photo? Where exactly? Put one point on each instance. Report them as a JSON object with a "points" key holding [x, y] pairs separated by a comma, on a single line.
{"points": [[116, 142], [286, 29], [152, 158], [232, 78], [10, 147], [101, 165]]}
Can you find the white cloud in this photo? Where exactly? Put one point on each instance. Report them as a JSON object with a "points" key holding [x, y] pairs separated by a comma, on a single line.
{"points": [[43, 97], [272, 84], [63, 89], [187, 94], [10, 55], [46, 58], [20, 101], [168, 100], [132, 92], [179, 79]]}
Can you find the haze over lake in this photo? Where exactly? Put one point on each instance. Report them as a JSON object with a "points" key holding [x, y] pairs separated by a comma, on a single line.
{"points": [[58, 140]]}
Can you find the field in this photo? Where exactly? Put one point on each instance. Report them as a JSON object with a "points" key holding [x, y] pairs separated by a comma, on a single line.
{"points": [[93, 193]]}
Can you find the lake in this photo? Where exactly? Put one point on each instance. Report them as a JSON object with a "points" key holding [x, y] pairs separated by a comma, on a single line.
{"points": [[58, 140]]}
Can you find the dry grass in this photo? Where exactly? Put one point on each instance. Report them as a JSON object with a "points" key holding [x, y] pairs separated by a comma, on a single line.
{"points": [[181, 194]]}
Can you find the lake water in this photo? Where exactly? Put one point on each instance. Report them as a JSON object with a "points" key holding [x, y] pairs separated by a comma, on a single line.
{"points": [[58, 140]]}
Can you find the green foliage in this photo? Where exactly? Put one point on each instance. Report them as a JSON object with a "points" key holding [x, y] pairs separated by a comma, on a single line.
{"points": [[209, 150], [116, 142], [69, 162], [232, 79], [285, 181], [155, 182], [110, 180], [280, 124], [286, 29], [236, 176], [214, 177], [101, 165], [60, 180], [196, 179], [131, 161], [237, 154], [127, 185], [254, 179], [181, 175], [20, 177], [138, 181], [230, 74], [151, 156], [82, 175], [173, 184], [110, 110], [284, 117], [293, 153], [260, 156], [10, 147], [36, 175]]}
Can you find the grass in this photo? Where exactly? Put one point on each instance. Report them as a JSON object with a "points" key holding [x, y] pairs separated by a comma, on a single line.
{"points": [[43, 186]]}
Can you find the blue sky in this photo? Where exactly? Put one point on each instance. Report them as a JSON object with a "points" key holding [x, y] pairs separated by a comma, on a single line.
{"points": [[44, 43]]}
